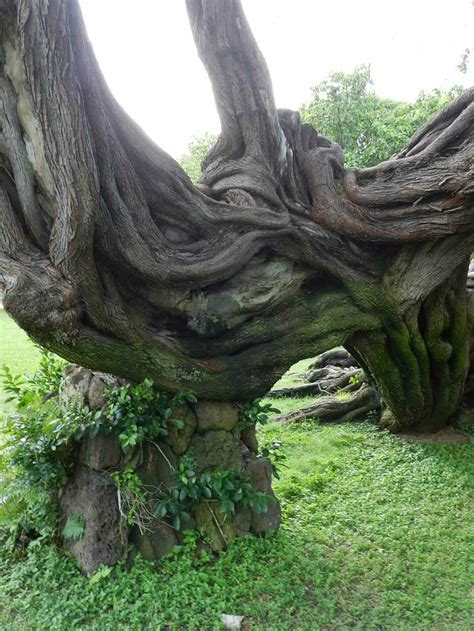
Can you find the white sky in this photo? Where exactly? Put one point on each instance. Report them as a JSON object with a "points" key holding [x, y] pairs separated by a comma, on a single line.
{"points": [[147, 53]]}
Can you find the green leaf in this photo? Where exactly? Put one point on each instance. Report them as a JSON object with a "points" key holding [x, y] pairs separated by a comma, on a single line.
{"points": [[161, 510], [228, 506], [177, 423], [74, 528], [102, 572]]}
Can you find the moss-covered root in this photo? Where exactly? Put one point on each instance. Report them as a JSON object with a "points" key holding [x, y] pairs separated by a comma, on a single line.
{"points": [[420, 360]]}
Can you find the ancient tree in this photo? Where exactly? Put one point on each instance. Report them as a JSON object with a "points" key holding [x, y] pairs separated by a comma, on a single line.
{"points": [[116, 261]]}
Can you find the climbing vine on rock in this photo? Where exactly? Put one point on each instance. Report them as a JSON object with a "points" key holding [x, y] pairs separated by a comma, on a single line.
{"points": [[138, 413], [227, 490], [74, 432]]}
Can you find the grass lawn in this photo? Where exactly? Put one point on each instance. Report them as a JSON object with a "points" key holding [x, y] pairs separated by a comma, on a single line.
{"points": [[16, 351], [377, 534]]}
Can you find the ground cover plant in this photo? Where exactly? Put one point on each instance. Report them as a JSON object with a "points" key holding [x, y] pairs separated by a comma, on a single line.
{"points": [[376, 535]]}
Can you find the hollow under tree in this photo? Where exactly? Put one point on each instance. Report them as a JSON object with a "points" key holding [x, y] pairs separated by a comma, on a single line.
{"points": [[116, 261]]}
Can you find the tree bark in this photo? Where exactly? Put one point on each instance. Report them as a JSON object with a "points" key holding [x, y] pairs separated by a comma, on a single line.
{"points": [[338, 381], [330, 409], [335, 357], [114, 260]]}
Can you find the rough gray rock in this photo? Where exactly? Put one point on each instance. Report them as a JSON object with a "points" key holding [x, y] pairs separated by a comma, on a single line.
{"points": [[88, 386], [100, 452], [76, 383], [212, 415], [93, 496], [216, 525], [217, 449], [249, 437], [179, 440], [243, 520], [260, 473], [157, 464], [155, 544], [100, 383]]}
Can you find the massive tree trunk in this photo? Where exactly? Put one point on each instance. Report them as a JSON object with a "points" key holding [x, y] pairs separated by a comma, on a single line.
{"points": [[116, 261]]}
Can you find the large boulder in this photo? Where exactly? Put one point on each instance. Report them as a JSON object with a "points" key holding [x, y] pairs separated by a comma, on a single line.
{"points": [[92, 496], [211, 435]]}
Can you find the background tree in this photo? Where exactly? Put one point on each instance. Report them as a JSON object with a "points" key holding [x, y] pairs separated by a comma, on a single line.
{"points": [[465, 59], [369, 128], [196, 151]]}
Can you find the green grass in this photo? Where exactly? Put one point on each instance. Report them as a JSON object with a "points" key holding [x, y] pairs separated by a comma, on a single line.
{"points": [[292, 377], [376, 535], [16, 351]]}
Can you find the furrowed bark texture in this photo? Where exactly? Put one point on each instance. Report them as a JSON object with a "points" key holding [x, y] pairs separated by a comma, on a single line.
{"points": [[114, 260], [330, 409]]}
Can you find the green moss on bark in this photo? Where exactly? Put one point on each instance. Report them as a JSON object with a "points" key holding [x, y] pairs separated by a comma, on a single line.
{"points": [[420, 359]]}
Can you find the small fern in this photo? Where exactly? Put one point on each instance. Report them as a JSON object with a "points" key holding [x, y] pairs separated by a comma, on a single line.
{"points": [[74, 528]]}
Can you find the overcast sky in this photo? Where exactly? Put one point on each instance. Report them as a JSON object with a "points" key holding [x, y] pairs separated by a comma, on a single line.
{"points": [[147, 53]]}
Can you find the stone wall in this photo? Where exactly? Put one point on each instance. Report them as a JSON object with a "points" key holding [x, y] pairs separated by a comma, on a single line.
{"points": [[211, 435]]}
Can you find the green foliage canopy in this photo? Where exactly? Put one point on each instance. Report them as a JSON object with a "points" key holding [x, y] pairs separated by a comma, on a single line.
{"points": [[197, 149], [368, 127]]}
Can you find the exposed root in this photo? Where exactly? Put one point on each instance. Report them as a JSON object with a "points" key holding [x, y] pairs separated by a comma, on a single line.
{"points": [[332, 409], [346, 380]]}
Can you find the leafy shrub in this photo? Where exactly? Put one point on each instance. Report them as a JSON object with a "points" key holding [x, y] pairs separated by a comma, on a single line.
{"points": [[34, 452], [40, 443], [138, 413], [74, 528], [135, 502], [45, 382], [229, 489]]}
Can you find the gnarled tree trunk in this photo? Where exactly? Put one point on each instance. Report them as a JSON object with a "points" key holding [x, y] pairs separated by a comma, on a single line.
{"points": [[114, 260]]}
